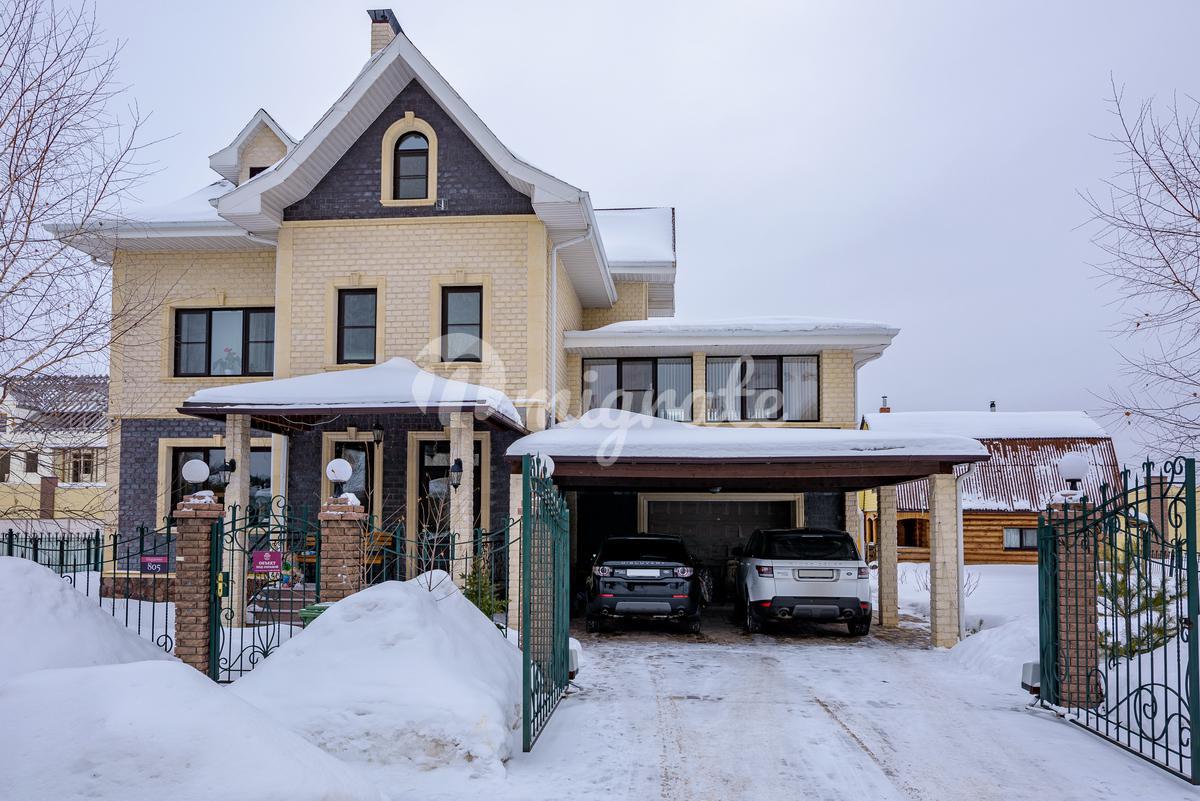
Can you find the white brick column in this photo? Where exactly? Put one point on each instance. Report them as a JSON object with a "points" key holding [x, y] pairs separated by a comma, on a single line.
{"points": [[699, 380], [885, 546], [943, 560], [237, 502], [462, 500], [515, 510]]}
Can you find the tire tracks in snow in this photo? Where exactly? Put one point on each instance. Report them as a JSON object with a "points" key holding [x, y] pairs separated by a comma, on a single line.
{"points": [[889, 770]]}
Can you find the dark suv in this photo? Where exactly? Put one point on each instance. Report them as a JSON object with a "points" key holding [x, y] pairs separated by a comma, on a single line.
{"points": [[646, 576]]}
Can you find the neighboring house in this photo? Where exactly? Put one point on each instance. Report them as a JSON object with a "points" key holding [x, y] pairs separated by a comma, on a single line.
{"points": [[1001, 497], [53, 436], [399, 289]]}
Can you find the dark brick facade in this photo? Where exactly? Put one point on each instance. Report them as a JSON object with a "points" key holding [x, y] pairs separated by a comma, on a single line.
{"points": [[466, 180], [139, 465]]}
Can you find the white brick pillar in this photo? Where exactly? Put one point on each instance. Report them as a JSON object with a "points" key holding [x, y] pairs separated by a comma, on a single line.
{"points": [[885, 546], [237, 503], [699, 380], [515, 510], [943, 560], [853, 519], [462, 500]]}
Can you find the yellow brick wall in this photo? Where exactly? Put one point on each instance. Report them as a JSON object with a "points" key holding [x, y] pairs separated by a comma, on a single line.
{"points": [[151, 286], [263, 150], [407, 260], [839, 389], [570, 318], [633, 300], [23, 501]]}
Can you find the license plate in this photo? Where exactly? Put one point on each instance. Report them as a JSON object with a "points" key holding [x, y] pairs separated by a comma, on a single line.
{"points": [[642, 572], [823, 575]]}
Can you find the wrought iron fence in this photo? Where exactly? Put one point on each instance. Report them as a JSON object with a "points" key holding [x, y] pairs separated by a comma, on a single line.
{"points": [[1119, 602], [126, 575]]}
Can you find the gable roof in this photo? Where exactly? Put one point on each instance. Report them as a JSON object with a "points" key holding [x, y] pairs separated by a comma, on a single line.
{"points": [[989, 425], [225, 161], [258, 205], [61, 401]]}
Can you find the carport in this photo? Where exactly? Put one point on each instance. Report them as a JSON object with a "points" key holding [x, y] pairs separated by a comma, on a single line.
{"points": [[712, 483]]}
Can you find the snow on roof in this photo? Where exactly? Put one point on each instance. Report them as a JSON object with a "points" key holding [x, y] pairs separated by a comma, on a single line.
{"points": [[198, 207], [989, 425], [610, 434], [638, 236], [745, 326], [396, 383]]}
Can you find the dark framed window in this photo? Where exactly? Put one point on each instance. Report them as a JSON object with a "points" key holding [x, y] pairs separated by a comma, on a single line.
{"points": [[260, 474], [912, 532], [253, 171], [81, 466], [659, 387], [1020, 539], [215, 342], [462, 324], [356, 326], [410, 168], [762, 388], [31, 461]]}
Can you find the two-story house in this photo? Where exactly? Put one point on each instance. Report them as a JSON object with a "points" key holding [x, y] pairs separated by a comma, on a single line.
{"points": [[398, 289]]}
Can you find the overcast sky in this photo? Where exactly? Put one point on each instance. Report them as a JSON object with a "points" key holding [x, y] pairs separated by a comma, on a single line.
{"points": [[916, 163]]}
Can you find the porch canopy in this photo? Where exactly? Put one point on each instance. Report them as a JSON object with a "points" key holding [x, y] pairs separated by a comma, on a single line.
{"points": [[396, 386], [611, 448]]}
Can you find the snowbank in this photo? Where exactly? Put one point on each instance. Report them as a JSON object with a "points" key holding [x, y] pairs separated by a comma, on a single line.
{"points": [[999, 652], [399, 675], [46, 623], [155, 730]]}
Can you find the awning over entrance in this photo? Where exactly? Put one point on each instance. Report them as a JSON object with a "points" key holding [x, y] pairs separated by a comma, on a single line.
{"points": [[606, 447], [395, 386]]}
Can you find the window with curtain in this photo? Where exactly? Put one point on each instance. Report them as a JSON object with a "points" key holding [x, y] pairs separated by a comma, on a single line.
{"points": [[1020, 539], [410, 168], [659, 387], [462, 324], [215, 342], [763, 388]]}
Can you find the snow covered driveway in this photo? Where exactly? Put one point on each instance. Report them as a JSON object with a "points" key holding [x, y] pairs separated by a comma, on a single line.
{"points": [[814, 718]]}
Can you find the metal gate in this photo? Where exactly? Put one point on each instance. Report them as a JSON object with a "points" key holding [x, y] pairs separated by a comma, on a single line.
{"points": [[266, 567], [545, 546], [1119, 603]]}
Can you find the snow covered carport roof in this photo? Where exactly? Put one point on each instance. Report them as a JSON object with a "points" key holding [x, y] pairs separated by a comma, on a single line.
{"points": [[607, 447], [397, 386]]}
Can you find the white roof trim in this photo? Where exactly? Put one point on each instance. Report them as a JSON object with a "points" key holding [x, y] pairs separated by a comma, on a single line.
{"points": [[566, 210], [225, 161]]}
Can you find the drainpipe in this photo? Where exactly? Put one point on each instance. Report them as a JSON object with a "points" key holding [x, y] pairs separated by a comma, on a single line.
{"points": [[962, 572], [552, 389]]}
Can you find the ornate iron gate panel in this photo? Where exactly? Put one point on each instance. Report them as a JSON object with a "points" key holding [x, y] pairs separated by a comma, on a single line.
{"points": [[545, 612], [266, 567], [126, 575], [1119, 606]]}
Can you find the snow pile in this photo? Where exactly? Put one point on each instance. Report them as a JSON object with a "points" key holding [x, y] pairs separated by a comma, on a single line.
{"points": [[399, 675], [744, 326], [198, 207], [396, 383], [610, 434], [46, 623], [154, 730], [990, 425]]}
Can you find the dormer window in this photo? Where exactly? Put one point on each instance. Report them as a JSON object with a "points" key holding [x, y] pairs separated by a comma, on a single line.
{"points": [[411, 168], [408, 163]]}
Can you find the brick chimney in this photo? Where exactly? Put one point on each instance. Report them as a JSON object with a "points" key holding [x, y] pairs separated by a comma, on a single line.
{"points": [[384, 28], [992, 406], [883, 407]]}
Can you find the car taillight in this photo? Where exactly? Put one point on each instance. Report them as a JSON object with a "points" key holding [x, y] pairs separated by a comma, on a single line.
{"points": [[765, 571], [683, 572], [864, 572], [602, 570]]}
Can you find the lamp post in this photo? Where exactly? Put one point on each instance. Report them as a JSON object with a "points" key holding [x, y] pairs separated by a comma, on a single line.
{"points": [[456, 473], [228, 466], [338, 471], [195, 472], [1073, 469]]}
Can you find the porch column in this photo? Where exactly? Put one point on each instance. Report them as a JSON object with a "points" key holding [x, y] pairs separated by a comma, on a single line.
{"points": [[889, 609], [853, 519], [943, 560], [699, 379], [515, 509], [237, 507], [343, 528], [462, 500]]}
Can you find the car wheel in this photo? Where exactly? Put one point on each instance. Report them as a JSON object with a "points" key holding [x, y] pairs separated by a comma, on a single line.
{"points": [[592, 625], [860, 628], [750, 621]]}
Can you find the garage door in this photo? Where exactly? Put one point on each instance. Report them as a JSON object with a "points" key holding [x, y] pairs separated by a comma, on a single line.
{"points": [[712, 528]]}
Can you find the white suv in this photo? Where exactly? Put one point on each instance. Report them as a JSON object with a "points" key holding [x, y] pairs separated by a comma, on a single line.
{"points": [[805, 574]]}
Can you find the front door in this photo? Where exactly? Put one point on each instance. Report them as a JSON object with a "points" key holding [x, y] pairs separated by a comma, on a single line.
{"points": [[434, 542]]}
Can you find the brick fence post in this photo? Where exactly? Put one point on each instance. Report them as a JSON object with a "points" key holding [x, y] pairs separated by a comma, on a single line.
{"points": [[1077, 616], [193, 579], [343, 535]]}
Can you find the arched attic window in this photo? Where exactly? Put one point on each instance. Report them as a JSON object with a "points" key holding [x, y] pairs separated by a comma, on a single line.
{"points": [[410, 167]]}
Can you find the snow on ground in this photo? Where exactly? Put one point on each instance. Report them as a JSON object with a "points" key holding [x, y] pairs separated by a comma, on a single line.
{"points": [[46, 623], [154, 730], [402, 675]]}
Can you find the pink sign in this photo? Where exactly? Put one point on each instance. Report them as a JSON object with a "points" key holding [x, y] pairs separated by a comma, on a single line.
{"points": [[154, 564], [266, 561]]}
